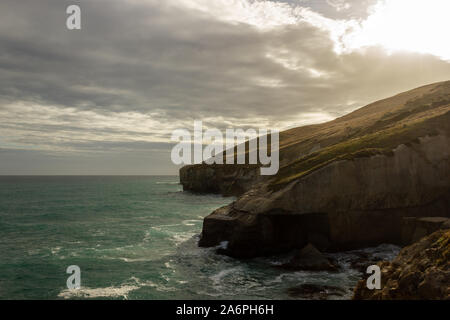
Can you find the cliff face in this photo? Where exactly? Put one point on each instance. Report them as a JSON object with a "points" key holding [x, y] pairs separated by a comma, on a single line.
{"points": [[306, 148], [421, 271], [227, 180], [342, 185], [345, 205]]}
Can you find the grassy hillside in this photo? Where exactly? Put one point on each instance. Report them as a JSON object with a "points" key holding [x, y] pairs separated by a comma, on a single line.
{"points": [[402, 109], [374, 129]]}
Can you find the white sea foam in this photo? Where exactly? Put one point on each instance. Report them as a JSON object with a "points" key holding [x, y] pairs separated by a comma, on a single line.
{"points": [[218, 277], [55, 250], [134, 260], [108, 292], [121, 291], [223, 245], [177, 237], [158, 287], [190, 222], [180, 237], [162, 226]]}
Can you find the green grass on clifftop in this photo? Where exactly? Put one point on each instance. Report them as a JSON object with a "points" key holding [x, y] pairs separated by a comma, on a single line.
{"points": [[380, 142]]}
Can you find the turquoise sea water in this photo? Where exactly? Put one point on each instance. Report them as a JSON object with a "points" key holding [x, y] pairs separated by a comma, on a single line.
{"points": [[133, 238]]}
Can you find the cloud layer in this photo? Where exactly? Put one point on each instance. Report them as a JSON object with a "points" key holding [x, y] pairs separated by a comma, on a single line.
{"points": [[139, 69]]}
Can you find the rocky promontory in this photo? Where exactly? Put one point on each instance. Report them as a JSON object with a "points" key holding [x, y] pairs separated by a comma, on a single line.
{"points": [[229, 180], [345, 205], [346, 184]]}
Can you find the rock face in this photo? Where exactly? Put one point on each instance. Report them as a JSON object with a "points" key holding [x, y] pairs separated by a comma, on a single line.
{"points": [[345, 205], [413, 228], [226, 180], [403, 110], [421, 271], [343, 185]]}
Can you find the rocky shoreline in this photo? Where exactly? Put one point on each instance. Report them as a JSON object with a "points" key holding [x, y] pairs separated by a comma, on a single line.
{"points": [[421, 271], [379, 193], [378, 175]]}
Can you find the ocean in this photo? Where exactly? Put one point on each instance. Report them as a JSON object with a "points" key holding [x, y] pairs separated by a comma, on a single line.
{"points": [[133, 237]]}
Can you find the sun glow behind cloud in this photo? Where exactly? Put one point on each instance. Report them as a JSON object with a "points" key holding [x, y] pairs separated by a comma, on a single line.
{"points": [[405, 25], [419, 26]]}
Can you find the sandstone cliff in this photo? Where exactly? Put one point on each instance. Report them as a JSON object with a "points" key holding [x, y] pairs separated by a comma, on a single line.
{"points": [[345, 205], [342, 185], [223, 179], [307, 142]]}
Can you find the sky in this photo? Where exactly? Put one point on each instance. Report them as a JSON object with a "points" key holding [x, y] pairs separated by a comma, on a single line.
{"points": [[105, 99]]}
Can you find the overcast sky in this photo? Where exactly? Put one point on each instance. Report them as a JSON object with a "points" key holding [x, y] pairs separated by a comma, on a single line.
{"points": [[105, 99]]}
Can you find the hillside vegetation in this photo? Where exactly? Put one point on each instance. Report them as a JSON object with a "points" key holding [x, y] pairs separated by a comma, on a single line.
{"points": [[374, 129]]}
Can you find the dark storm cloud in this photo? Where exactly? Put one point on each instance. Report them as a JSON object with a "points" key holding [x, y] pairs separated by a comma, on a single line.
{"points": [[152, 56], [73, 90]]}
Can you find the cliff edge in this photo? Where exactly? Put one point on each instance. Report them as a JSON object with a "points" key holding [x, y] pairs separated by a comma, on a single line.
{"points": [[342, 185]]}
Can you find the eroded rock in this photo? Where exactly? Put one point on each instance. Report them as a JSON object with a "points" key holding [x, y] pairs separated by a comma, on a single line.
{"points": [[345, 205], [374, 167], [310, 259], [415, 228], [421, 271]]}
